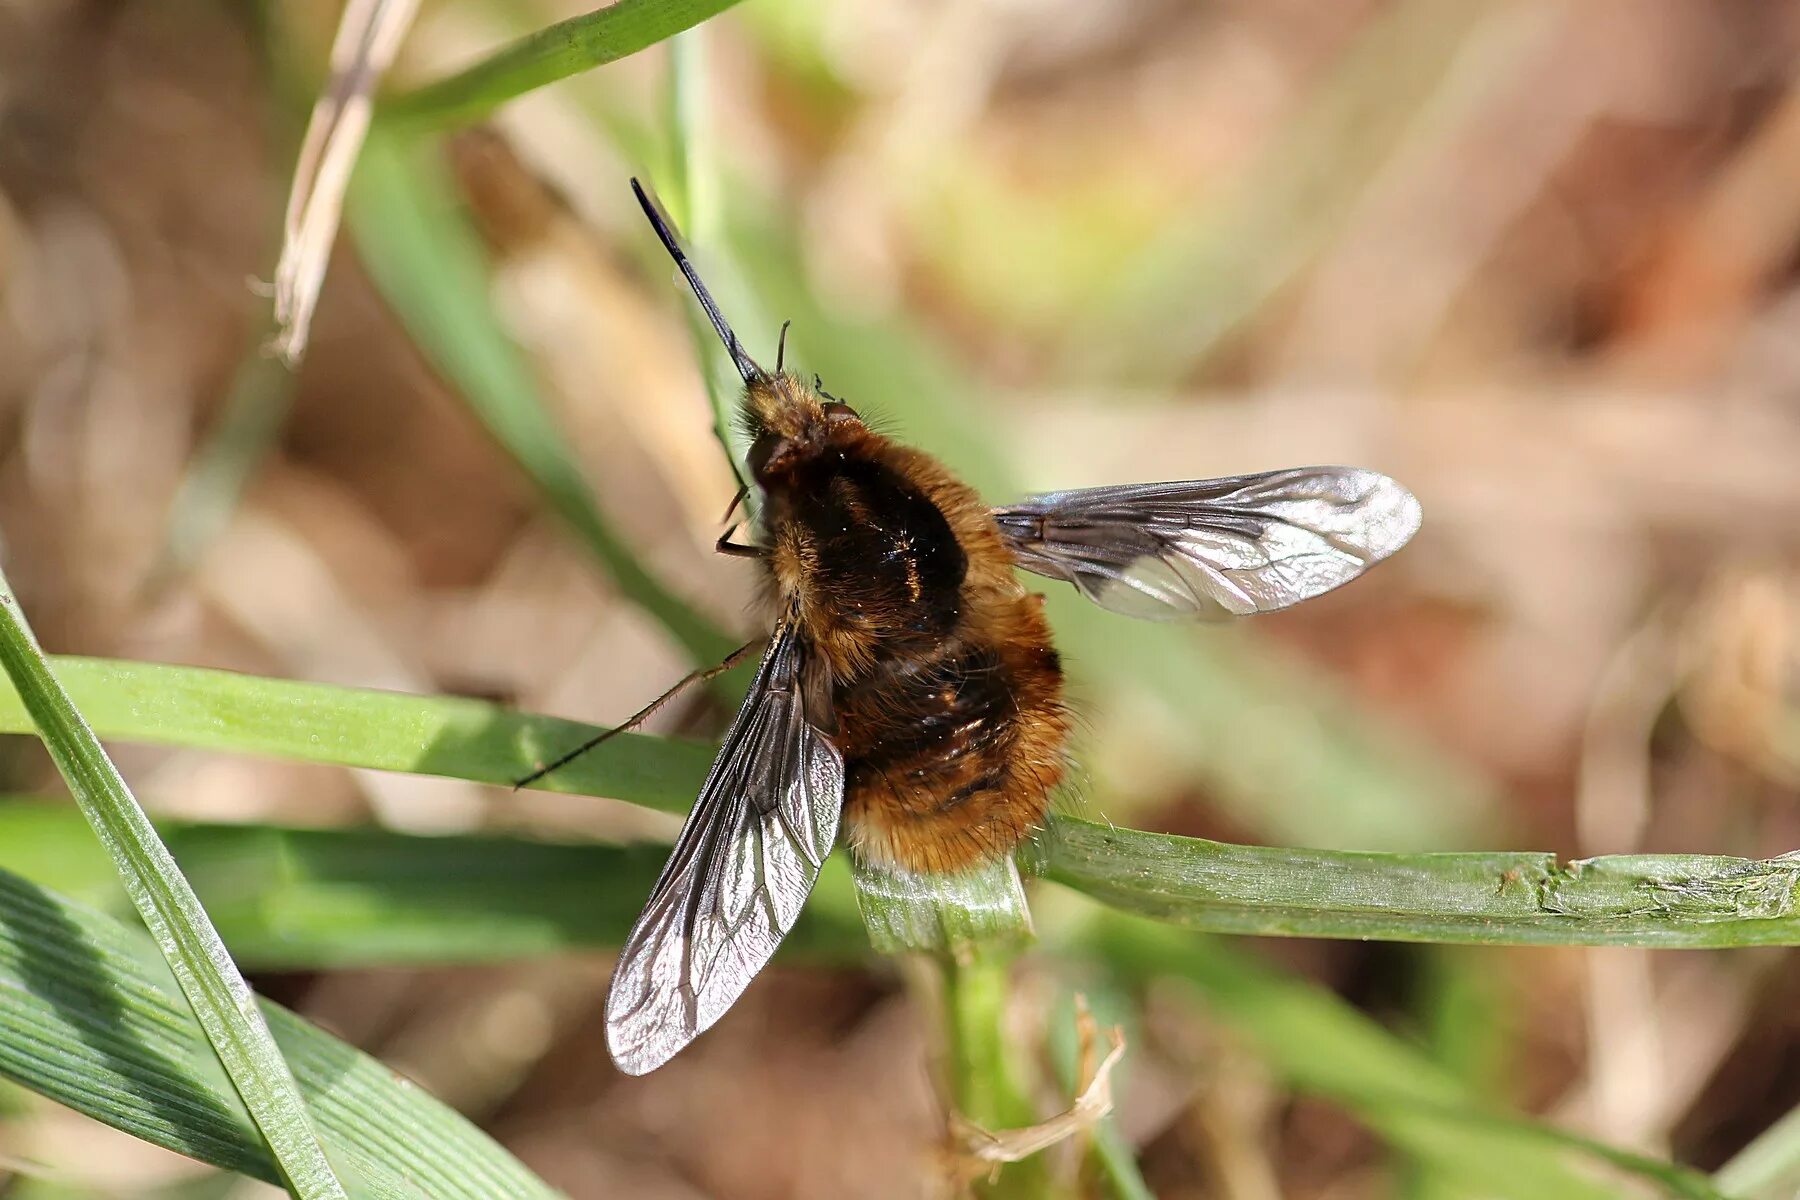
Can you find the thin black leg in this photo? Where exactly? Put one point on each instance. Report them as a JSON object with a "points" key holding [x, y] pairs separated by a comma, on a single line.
{"points": [[643, 714]]}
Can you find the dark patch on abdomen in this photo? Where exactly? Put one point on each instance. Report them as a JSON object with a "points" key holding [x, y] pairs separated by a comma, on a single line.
{"points": [[960, 796], [951, 753], [927, 721]]}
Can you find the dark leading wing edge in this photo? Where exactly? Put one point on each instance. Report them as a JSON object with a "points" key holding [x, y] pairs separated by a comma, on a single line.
{"points": [[739, 873], [1213, 547]]}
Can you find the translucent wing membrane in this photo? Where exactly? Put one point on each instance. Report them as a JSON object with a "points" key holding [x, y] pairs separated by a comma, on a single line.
{"points": [[739, 873], [1213, 547]]}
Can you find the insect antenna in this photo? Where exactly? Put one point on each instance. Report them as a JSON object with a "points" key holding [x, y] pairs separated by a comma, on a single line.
{"points": [[819, 387], [672, 243]]}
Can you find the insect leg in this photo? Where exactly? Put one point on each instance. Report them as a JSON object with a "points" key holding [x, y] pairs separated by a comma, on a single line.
{"points": [[645, 713], [737, 549]]}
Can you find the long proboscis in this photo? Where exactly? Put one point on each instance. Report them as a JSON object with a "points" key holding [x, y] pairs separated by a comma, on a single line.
{"points": [[665, 230]]}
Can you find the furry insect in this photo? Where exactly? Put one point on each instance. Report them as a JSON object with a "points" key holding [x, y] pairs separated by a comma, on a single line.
{"points": [[909, 688]]}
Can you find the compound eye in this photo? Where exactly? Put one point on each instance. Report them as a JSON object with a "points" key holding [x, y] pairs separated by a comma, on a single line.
{"points": [[760, 454], [838, 411]]}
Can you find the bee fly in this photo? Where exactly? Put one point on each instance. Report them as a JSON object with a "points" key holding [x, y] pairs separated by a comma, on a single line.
{"points": [[909, 689]]}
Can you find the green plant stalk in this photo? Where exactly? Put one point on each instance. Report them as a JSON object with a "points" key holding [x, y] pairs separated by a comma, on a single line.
{"points": [[94, 1020], [220, 999], [432, 270], [1502, 898], [985, 1080], [971, 923], [552, 53]]}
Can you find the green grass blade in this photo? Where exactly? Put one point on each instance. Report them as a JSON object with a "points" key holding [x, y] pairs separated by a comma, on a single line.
{"points": [[1501, 897], [320, 898], [690, 190], [221, 1000], [252, 418], [257, 402], [1673, 1178], [1660, 900], [1322, 1046], [966, 914], [1460, 1014], [1769, 1167], [93, 1019], [432, 269], [308, 899], [552, 53], [354, 727], [1180, 298]]}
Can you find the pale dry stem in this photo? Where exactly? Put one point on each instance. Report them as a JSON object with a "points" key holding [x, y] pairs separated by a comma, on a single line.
{"points": [[977, 1152], [368, 36]]}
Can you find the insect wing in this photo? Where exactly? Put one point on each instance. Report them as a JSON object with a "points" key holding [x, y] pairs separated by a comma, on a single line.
{"points": [[739, 873], [1213, 547]]}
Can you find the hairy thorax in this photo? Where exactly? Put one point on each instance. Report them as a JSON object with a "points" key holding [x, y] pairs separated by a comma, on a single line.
{"points": [[945, 692]]}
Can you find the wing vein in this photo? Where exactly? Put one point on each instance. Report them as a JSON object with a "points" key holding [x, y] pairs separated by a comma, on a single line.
{"points": [[730, 891], [1213, 547]]}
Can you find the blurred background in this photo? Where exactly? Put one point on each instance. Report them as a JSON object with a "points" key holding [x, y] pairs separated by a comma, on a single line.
{"points": [[1536, 260]]}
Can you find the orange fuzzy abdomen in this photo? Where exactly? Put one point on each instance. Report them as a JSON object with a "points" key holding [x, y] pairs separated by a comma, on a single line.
{"points": [[951, 758]]}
